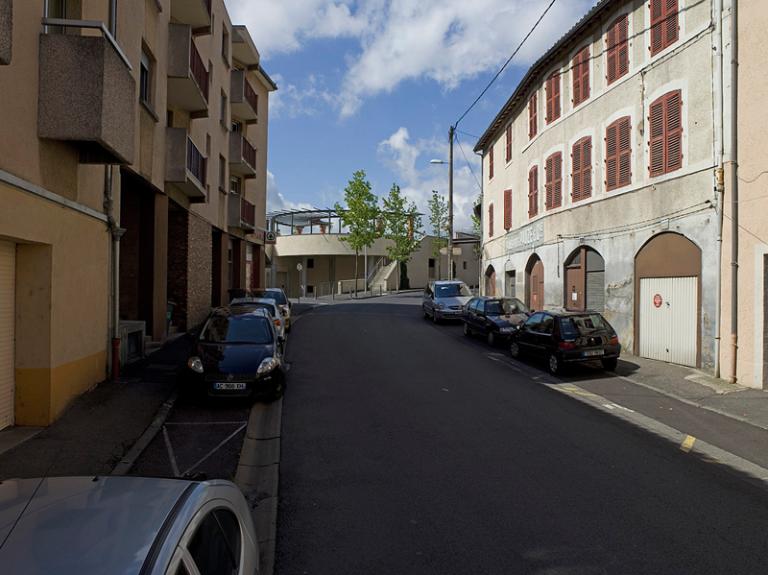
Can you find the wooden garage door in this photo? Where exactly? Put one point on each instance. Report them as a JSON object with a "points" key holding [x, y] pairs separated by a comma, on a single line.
{"points": [[7, 313], [537, 286], [668, 319]]}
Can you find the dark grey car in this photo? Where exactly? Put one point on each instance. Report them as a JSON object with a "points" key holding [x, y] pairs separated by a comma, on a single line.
{"points": [[445, 299]]}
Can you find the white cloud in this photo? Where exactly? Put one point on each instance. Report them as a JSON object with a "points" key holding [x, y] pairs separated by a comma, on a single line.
{"points": [[409, 161], [292, 101], [277, 202], [400, 40]]}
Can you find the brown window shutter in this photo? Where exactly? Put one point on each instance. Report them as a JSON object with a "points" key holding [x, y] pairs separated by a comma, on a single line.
{"points": [[532, 124], [611, 157], [490, 220], [557, 183], [576, 79], [533, 192], [580, 71], [507, 209], [657, 24], [556, 96], [618, 48], [673, 127], [656, 143], [548, 179], [611, 41], [625, 151], [548, 100], [586, 168], [585, 74], [671, 24], [509, 143], [576, 172]]}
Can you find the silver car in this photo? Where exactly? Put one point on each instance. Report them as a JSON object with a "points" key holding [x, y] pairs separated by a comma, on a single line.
{"points": [[282, 301], [128, 525], [266, 303], [445, 299]]}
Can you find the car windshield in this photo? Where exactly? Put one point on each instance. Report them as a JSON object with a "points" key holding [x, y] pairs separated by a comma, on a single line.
{"points": [[577, 325], [276, 295], [245, 328], [504, 307], [452, 290]]}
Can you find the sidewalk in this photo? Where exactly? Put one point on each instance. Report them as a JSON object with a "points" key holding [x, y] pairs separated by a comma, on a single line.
{"points": [[101, 425]]}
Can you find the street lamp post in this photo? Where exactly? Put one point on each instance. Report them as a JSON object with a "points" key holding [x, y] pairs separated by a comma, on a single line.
{"points": [[451, 132]]}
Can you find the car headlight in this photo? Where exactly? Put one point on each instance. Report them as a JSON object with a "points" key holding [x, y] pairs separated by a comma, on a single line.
{"points": [[439, 305], [195, 364], [267, 364]]}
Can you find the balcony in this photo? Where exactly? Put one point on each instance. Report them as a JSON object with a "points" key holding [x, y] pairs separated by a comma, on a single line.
{"points": [[188, 80], [194, 13], [242, 156], [86, 93], [242, 213], [185, 166], [244, 101], [243, 48]]}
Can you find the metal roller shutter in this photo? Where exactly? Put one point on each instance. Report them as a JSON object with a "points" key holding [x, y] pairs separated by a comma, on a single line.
{"points": [[596, 291], [7, 331]]}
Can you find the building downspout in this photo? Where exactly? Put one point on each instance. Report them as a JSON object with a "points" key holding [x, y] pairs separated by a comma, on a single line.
{"points": [[115, 234], [734, 181], [717, 19]]}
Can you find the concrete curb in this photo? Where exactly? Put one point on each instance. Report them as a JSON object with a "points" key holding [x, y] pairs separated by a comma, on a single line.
{"points": [[258, 473], [129, 459]]}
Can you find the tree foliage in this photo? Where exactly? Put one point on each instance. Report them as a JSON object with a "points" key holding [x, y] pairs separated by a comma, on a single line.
{"points": [[438, 221], [402, 226]]}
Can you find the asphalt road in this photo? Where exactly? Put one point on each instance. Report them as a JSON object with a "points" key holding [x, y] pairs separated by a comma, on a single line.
{"points": [[405, 449]]}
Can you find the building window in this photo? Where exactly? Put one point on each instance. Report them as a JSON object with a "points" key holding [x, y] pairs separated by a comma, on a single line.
{"points": [[666, 127], [235, 185], [490, 220], [580, 74], [310, 263], [532, 116], [554, 181], [490, 162], [508, 135], [431, 262], [618, 48], [225, 44], [464, 265], [224, 115], [581, 173], [552, 89], [222, 173], [507, 209], [533, 191], [665, 28], [146, 70], [618, 154]]}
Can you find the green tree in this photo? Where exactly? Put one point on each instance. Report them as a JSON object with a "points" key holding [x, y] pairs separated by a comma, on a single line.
{"points": [[477, 225], [359, 216], [438, 220], [402, 226]]}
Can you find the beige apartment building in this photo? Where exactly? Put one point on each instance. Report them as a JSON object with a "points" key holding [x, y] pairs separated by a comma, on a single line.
{"points": [[132, 182], [601, 177]]}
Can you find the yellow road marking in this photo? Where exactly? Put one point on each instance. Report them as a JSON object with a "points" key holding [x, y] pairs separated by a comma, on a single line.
{"points": [[687, 443]]}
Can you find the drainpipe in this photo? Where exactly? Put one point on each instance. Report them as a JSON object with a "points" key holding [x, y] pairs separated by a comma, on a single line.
{"points": [[116, 233], [717, 19], [734, 187]]}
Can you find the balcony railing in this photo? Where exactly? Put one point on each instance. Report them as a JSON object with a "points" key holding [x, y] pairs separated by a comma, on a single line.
{"points": [[249, 153], [242, 156], [245, 102], [188, 79], [196, 162], [196, 66], [185, 166], [247, 214], [251, 97]]}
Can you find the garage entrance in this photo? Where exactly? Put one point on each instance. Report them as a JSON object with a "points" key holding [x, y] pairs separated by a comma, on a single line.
{"points": [[534, 283], [585, 280], [668, 300], [7, 331]]}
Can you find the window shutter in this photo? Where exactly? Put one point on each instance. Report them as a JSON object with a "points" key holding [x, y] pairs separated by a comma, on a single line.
{"points": [[625, 151], [611, 75], [657, 25], [532, 123], [674, 131], [656, 142], [576, 172], [533, 192], [671, 27], [557, 183], [490, 220], [490, 162], [585, 74], [618, 48], [548, 178], [586, 168], [556, 96], [576, 75], [507, 209], [580, 71], [509, 143]]}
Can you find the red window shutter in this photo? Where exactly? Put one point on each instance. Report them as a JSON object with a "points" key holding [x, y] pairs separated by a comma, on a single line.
{"points": [[611, 156], [548, 178], [585, 74], [625, 151], [490, 162], [656, 143], [533, 191], [581, 172], [576, 172], [580, 71], [557, 181], [553, 97], [673, 127], [509, 143], [618, 48], [490, 220], [671, 25], [507, 209], [576, 76], [532, 116], [664, 24]]}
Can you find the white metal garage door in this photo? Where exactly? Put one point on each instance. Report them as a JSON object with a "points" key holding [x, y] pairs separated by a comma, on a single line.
{"points": [[7, 313], [668, 319]]}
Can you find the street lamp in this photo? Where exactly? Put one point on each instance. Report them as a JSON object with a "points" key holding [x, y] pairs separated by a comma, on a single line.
{"points": [[451, 131]]}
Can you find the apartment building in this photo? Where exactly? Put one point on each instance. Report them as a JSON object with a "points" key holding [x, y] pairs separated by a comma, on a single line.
{"points": [[600, 177], [132, 183]]}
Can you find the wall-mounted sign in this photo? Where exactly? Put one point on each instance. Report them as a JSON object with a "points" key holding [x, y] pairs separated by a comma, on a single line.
{"points": [[526, 237], [658, 300], [270, 238]]}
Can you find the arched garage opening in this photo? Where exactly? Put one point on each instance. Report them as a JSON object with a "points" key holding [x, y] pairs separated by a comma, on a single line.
{"points": [[668, 300], [534, 283], [584, 276], [490, 281]]}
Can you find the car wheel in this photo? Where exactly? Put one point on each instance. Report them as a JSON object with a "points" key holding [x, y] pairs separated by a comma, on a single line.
{"points": [[610, 364], [491, 339], [426, 315], [279, 390], [514, 350], [553, 363], [467, 331]]}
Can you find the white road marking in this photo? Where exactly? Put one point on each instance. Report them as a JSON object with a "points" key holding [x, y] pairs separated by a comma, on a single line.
{"points": [[171, 455], [219, 446]]}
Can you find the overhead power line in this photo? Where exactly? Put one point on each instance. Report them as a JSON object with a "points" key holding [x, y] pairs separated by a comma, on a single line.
{"points": [[479, 186]]}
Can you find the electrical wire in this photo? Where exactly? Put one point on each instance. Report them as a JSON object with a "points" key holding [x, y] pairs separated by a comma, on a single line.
{"points": [[479, 186], [495, 77]]}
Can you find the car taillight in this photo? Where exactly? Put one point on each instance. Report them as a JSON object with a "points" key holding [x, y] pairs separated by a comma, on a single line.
{"points": [[614, 340], [566, 345], [277, 322]]}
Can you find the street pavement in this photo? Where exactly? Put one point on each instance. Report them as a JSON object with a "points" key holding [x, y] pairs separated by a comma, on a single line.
{"points": [[407, 448]]}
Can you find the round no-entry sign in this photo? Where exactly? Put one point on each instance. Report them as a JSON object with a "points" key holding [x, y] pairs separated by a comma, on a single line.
{"points": [[300, 267], [657, 300]]}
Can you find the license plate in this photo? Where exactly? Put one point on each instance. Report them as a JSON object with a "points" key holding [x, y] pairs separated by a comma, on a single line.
{"points": [[229, 386], [593, 352]]}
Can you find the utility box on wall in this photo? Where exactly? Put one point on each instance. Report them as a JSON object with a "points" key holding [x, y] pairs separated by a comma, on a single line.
{"points": [[6, 31]]}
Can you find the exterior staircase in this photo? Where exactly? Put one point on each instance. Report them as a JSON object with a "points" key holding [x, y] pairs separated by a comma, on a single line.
{"points": [[384, 278]]}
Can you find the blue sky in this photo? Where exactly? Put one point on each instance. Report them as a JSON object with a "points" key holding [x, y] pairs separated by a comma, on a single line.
{"points": [[375, 84]]}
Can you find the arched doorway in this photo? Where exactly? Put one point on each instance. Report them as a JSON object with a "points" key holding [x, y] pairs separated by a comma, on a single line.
{"points": [[490, 281], [668, 300], [534, 283], [584, 280]]}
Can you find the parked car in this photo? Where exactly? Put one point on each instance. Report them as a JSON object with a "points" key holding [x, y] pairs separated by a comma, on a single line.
{"points": [[237, 354], [494, 318], [282, 301], [95, 525], [267, 304], [563, 337], [445, 299]]}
